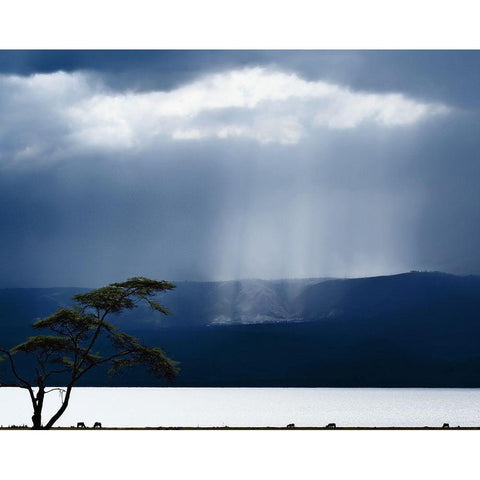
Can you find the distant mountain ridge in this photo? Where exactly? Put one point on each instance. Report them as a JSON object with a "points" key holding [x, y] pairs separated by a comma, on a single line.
{"points": [[270, 301], [248, 302]]}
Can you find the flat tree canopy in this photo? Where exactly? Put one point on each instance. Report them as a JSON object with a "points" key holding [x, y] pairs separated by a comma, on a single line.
{"points": [[69, 346]]}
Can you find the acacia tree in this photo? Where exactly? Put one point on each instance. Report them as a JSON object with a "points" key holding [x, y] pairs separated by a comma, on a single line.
{"points": [[74, 334]]}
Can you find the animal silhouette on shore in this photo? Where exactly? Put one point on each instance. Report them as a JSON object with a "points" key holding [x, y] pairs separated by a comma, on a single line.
{"points": [[95, 425]]}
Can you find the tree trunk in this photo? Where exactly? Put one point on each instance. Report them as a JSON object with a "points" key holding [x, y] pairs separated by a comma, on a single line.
{"points": [[60, 410], [37, 409], [37, 419]]}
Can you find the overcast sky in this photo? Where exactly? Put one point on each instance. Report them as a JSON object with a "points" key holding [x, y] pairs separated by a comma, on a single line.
{"points": [[215, 165]]}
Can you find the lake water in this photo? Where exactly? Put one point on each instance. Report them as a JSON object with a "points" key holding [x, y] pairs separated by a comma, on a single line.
{"points": [[253, 407]]}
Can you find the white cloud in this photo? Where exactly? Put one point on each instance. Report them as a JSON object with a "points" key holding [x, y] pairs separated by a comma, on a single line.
{"points": [[52, 112]]}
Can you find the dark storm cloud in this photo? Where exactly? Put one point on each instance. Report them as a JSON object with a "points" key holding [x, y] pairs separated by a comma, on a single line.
{"points": [[92, 220], [338, 199], [139, 70], [449, 76]]}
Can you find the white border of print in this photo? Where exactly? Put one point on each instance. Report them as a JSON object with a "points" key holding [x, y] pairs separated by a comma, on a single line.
{"points": [[224, 25]]}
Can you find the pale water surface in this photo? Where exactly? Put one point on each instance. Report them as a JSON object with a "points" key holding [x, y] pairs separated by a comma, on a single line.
{"points": [[353, 407]]}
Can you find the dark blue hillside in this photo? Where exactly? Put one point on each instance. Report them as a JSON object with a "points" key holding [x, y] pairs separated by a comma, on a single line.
{"points": [[421, 293], [410, 330]]}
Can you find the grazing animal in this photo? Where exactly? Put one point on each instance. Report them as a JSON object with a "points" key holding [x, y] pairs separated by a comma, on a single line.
{"points": [[81, 425], [331, 425], [446, 425], [291, 425], [97, 425]]}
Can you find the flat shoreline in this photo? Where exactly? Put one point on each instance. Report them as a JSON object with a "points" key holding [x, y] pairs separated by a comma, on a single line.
{"points": [[251, 428]]}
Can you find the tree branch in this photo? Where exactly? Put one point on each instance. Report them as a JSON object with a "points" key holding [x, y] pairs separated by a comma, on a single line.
{"points": [[94, 338], [104, 360], [128, 292], [53, 389], [12, 365]]}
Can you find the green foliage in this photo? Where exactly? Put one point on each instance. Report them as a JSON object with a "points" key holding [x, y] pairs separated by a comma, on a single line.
{"points": [[145, 286], [154, 359], [122, 296], [44, 344], [111, 298], [68, 322]]}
